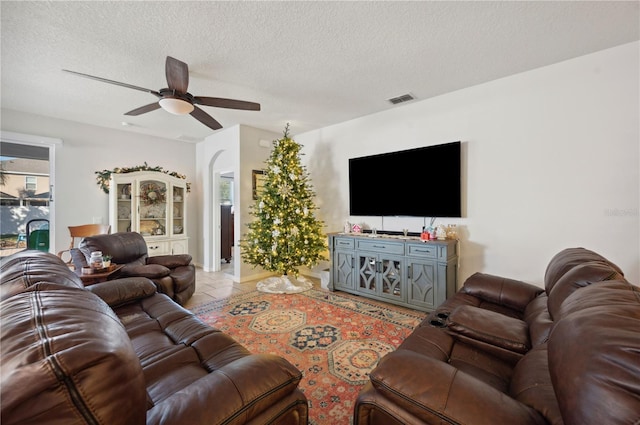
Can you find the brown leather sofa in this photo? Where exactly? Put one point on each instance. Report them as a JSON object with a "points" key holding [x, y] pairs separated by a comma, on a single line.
{"points": [[501, 351], [174, 275], [119, 352]]}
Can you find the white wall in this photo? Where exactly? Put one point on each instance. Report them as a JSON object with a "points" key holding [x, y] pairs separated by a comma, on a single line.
{"points": [[216, 155], [252, 157], [550, 159], [235, 149], [86, 149]]}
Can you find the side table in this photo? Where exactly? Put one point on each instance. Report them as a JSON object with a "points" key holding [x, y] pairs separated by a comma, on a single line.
{"points": [[90, 279]]}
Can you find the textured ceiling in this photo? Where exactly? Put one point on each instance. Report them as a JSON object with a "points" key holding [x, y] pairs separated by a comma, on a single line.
{"points": [[309, 63]]}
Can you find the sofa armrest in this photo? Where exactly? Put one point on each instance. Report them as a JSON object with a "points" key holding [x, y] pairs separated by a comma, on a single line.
{"points": [[248, 386], [512, 293], [430, 388], [121, 291], [473, 323], [170, 261], [151, 271]]}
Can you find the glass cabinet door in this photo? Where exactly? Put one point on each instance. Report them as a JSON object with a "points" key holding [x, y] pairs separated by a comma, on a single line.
{"points": [[178, 211], [367, 272], [153, 207], [391, 278], [124, 208]]}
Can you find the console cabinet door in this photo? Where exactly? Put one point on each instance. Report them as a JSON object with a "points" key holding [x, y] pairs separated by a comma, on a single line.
{"points": [[381, 275], [422, 283], [179, 246], [367, 274], [391, 278], [343, 270]]}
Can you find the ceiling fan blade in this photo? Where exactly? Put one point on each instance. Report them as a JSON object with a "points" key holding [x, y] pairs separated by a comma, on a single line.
{"points": [[226, 103], [117, 83], [205, 118], [177, 74], [144, 109]]}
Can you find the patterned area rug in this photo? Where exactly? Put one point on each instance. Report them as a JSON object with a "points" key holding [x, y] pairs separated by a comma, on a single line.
{"points": [[335, 339]]}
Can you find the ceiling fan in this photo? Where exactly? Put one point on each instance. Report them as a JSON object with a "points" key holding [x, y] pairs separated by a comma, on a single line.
{"points": [[176, 100]]}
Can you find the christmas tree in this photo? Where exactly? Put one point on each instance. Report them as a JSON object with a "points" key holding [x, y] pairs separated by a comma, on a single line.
{"points": [[285, 234]]}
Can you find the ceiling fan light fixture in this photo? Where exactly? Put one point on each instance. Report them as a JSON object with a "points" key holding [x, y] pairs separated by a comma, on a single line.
{"points": [[176, 106]]}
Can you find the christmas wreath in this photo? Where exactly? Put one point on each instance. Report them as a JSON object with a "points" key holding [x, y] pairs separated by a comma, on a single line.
{"points": [[104, 175], [152, 193]]}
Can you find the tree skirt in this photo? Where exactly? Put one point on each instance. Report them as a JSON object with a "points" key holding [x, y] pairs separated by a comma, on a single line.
{"points": [[284, 285]]}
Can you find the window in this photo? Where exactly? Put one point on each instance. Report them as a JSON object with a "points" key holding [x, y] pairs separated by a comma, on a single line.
{"points": [[31, 183]]}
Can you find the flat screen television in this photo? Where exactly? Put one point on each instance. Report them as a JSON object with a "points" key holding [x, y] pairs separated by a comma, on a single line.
{"points": [[421, 182]]}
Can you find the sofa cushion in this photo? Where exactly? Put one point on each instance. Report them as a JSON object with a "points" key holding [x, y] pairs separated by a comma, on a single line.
{"points": [[594, 355], [537, 317], [188, 364], [122, 291], [150, 271], [433, 390], [578, 277], [170, 261], [26, 268], [182, 278], [531, 384], [439, 345], [236, 394], [476, 324], [87, 370], [567, 259], [124, 247], [498, 290]]}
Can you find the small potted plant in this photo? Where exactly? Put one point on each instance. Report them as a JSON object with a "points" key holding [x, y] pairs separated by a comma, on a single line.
{"points": [[106, 261]]}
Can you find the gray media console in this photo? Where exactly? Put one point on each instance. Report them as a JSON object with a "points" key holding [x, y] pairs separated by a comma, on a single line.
{"points": [[399, 270]]}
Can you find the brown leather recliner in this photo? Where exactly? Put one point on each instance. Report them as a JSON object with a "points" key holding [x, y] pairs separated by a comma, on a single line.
{"points": [[501, 351], [174, 275]]}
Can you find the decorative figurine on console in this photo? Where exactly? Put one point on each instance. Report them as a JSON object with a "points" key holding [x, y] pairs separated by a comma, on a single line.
{"points": [[347, 227]]}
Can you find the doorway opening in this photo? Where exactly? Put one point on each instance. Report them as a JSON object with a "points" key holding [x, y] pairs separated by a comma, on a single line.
{"points": [[226, 209]]}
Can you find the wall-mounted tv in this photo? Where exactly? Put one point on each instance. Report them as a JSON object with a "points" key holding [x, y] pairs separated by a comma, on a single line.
{"points": [[421, 182]]}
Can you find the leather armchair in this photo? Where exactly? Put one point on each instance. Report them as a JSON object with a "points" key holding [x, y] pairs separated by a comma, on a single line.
{"points": [[173, 275], [501, 351]]}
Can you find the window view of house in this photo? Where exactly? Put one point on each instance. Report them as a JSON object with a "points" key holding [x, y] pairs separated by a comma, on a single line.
{"points": [[24, 193]]}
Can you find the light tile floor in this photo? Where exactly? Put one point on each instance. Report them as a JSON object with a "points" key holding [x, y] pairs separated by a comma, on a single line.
{"points": [[212, 286]]}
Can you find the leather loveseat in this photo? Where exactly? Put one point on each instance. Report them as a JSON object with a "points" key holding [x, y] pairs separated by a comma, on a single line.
{"points": [[119, 352], [174, 275], [501, 351]]}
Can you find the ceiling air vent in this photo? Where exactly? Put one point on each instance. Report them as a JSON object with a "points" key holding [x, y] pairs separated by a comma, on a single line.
{"points": [[186, 138], [401, 99]]}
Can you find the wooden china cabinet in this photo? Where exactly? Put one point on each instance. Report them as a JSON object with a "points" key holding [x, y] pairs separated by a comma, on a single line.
{"points": [[152, 204]]}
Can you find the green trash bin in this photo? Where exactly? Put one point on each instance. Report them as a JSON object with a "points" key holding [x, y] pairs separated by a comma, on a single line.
{"points": [[38, 238]]}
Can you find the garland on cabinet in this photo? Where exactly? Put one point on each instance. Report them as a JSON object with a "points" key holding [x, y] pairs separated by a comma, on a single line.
{"points": [[104, 176]]}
